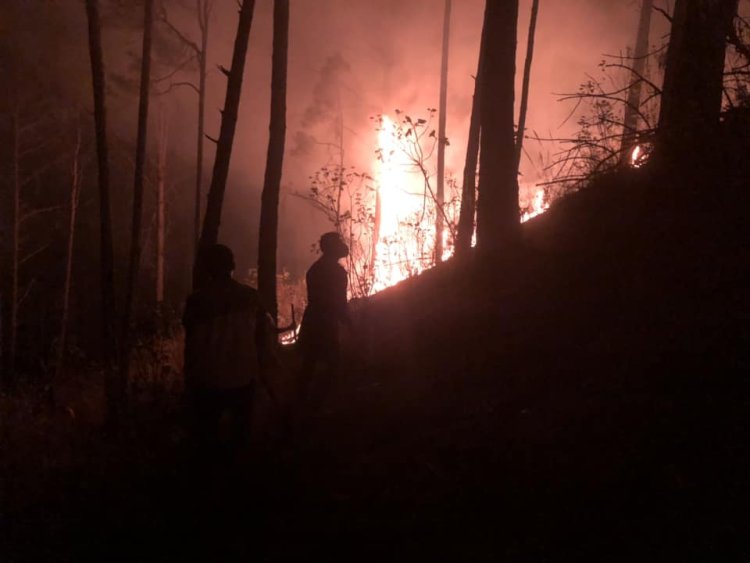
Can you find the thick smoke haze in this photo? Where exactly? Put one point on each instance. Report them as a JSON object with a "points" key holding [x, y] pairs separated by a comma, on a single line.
{"points": [[352, 59], [372, 57]]}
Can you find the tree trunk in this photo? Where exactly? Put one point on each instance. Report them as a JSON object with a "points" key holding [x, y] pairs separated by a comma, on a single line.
{"points": [[693, 79], [526, 83], [204, 11], [140, 161], [440, 189], [161, 171], [15, 244], [377, 219], [468, 191], [75, 190], [269, 207], [136, 225], [498, 219], [632, 109], [114, 390], [212, 218]]}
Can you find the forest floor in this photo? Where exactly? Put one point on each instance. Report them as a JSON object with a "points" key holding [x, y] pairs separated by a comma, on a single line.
{"points": [[584, 399]]}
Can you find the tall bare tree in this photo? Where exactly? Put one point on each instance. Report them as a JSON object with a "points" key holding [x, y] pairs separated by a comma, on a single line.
{"points": [[75, 192], [203, 9], [640, 53], [465, 231], [498, 219], [269, 207], [140, 161], [526, 82], [15, 245], [693, 77], [442, 140], [161, 172], [212, 218], [114, 390]]}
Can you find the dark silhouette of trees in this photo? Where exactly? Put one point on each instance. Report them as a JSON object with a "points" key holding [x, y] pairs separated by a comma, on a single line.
{"points": [[693, 77], [269, 207], [140, 160], [465, 230], [16, 227], [203, 9], [442, 140], [498, 221], [632, 108], [115, 389], [526, 82], [212, 218], [75, 195]]}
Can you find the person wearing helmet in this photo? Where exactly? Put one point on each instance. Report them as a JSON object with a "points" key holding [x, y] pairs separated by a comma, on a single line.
{"points": [[326, 309], [226, 332]]}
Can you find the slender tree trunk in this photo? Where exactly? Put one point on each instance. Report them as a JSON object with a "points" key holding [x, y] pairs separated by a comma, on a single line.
{"points": [[498, 218], [140, 162], [269, 207], [161, 172], [15, 244], [212, 218], [526, 83], [440, 189], [468, 192], [204, 11], [375, 236], [136, 234], [114, 390], [693, 79], [75, 190], [632, 108]]}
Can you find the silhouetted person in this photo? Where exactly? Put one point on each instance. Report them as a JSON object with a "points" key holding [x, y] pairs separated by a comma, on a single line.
{"points": [[225, 336], [326, 309]]}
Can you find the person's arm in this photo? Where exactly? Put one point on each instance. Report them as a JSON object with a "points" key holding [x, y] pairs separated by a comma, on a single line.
{"points": [[265, 339]]}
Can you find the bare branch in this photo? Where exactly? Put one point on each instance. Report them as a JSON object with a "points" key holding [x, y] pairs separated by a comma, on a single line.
{"points": [[174, 85], [32, 254], [164, 18], [177, 69], [39, 211], [664, 13], [26, 292]]}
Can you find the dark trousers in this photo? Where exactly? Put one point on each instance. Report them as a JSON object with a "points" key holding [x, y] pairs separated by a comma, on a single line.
{"points": [[209, 407]]}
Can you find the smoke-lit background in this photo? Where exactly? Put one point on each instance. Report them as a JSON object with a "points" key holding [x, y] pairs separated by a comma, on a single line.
{"points": [[348, 58]]}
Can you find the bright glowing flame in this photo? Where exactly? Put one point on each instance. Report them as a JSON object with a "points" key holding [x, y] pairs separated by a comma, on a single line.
{"points": [[406, 231], [538, 206], [639, 156], [404, 247]]}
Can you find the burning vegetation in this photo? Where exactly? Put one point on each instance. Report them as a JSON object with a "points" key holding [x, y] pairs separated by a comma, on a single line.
{"points": [[455, 352]]}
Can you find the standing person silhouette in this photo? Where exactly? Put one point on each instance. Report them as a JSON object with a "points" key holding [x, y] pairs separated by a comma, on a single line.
{"points": [[326, 310], [226, 340]]}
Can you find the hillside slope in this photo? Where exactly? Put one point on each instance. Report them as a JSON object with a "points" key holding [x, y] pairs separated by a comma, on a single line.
{"points": [[586, 395], [583, 398]]}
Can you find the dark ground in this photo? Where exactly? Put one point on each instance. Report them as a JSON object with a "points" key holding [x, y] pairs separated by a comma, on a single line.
{"points": [[585, 399]]}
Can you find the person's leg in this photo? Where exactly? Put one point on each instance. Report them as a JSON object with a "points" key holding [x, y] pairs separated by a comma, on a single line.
{"points": [[241, 413], [206, 412], [307, 371]]}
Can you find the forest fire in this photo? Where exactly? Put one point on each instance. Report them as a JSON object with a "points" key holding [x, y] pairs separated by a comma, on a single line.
{"points": [[405, 212], [639, 155], [538, 206], [403, 228]]}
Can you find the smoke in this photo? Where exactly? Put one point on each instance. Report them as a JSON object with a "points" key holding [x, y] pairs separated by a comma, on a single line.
{"points": [[349, 60]]}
